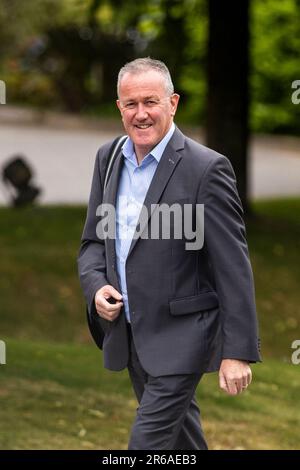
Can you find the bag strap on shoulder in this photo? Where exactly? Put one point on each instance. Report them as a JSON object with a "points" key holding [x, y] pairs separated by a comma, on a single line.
{"points": [[113, 153]]}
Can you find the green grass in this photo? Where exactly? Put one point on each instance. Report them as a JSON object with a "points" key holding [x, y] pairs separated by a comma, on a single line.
{"points": [[54, 391], [39, 288], [58, 396], [274, 241]]}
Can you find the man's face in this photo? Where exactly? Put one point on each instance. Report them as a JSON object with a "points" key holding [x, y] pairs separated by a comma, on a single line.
{"points": [[146, 108]]}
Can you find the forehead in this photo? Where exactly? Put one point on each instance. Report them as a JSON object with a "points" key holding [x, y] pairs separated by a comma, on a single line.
{"points": [[142, 84]]}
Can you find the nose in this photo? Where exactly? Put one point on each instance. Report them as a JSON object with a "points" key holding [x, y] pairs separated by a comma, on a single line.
{"points": [[141, 112]]}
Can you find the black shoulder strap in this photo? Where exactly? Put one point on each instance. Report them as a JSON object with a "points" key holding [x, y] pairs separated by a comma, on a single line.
{"points": [[113, 153]]}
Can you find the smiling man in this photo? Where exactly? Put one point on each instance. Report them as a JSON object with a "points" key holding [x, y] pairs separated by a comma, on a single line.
{"points": [[147, 104], [167, 313]]}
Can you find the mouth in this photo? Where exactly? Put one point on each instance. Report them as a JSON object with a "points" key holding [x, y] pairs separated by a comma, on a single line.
{"points": [[143, 126]]}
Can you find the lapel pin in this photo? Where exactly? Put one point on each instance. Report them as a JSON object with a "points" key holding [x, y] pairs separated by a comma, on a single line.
{"points": [[171, 161]]}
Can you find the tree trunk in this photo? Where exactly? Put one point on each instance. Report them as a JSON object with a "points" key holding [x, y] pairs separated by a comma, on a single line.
{"points": [[228, 68]]}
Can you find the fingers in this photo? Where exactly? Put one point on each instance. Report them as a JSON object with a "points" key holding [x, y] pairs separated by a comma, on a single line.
{"points": [[108, 302], [229, 386], [109, 316], [249, 377], [234, 376], [109, 313], [110, 291]]}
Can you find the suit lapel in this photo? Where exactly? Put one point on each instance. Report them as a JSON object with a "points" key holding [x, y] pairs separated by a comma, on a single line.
{"points": [[163, 173]]}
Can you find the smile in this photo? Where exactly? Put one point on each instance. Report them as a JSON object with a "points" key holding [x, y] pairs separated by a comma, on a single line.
{"points": [[143, 126]]}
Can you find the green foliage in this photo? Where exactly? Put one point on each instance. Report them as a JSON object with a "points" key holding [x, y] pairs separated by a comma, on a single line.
{"points": [[275, 52], [78, 71]]}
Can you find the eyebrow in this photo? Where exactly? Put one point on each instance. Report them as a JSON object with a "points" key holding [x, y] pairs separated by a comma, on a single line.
{"points": [[146, 98], [152, 97]]}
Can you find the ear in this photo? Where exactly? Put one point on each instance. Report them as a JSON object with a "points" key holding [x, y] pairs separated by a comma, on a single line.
{"points": [[174, 103], [119, 106]]}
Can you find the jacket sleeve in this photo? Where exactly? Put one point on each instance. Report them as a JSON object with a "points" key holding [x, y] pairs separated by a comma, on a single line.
{"points": [[91, 258], [225, 241]]}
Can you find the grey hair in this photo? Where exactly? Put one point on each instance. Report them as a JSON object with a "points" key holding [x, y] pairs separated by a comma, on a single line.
{"points": [[145, 64]]}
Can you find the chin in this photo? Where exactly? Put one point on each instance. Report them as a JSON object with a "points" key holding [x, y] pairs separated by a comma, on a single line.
{"points": [[143, 141]]}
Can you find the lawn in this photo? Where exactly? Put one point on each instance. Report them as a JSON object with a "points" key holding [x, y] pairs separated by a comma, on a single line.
{"points": [[58, 396], [54, 391]]}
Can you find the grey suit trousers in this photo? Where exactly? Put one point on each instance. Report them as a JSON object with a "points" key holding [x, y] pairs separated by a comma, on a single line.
{"points": [[168, 417]]}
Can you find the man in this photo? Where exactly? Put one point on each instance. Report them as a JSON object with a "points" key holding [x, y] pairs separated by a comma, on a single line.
{"points": [[167, 313]]}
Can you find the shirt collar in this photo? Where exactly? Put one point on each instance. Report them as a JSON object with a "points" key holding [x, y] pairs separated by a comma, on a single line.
{"points": [[156, 152]]}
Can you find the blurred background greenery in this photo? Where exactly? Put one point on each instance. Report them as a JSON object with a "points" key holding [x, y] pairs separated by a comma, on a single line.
{"points": [[65, 56]]}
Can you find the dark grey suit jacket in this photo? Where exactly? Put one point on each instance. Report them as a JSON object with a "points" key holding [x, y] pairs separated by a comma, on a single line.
{"points": [[189, 309]]}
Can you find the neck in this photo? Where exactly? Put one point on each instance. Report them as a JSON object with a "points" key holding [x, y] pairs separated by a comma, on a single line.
{"points": [[140, 154]]}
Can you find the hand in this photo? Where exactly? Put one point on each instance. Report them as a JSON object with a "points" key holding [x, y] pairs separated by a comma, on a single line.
{"points": [[234, 376], [108, 311]]}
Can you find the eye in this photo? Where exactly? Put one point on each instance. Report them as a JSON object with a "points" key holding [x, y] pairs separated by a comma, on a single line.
{"points": [[129, 105]]}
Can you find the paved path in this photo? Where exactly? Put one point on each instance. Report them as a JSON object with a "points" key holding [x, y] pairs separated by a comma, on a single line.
{"points": [[63, 161]]}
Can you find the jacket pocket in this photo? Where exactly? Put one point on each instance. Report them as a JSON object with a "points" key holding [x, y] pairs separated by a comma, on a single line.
{"points": [[194, 303]]}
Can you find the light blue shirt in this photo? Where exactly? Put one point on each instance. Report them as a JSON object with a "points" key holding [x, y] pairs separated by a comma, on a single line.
{"points": [[133, 186]]}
